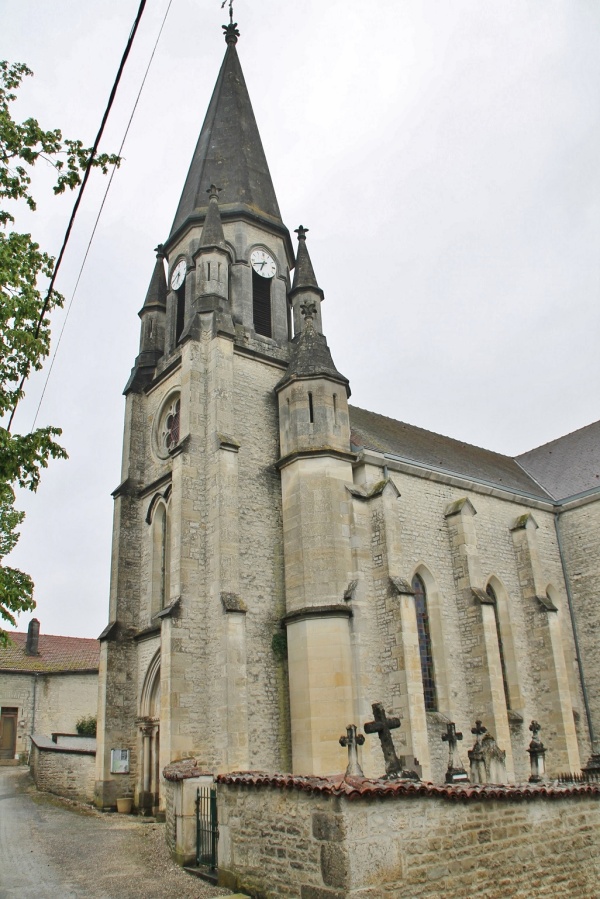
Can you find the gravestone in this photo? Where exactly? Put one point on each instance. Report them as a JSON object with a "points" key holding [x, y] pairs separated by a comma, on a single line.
{"points": [[382, 726]]}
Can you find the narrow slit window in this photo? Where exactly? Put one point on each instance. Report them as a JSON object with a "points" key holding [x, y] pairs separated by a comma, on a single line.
{"points": [[425, 647], [335, 421], [208, 271], [311, 411]]}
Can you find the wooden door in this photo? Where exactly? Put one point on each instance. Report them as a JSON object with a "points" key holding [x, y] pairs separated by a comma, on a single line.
{"points": [[8, 733]]}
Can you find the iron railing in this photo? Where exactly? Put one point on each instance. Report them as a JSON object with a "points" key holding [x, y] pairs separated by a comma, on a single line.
{"points": [[207, 828]]}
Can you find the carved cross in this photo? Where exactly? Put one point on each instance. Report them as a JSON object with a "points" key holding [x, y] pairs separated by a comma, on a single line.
{"points": [[214, 191], [308, 309], [382, 726], [352, 740], [451, 736], [455, 771], [301, 231]]}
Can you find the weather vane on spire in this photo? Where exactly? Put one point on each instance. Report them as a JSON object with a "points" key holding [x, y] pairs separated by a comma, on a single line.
{"points": [[231, 30], [224, 4]]}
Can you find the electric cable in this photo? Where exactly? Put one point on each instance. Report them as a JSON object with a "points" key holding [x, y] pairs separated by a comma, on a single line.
{"points": [[80, 192], [110, 180]]}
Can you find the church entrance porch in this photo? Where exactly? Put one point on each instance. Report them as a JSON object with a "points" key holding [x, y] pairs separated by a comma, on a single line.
{"points": [[147, 791]]}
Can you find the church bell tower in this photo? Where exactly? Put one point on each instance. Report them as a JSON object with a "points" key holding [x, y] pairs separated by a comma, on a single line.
{"points": [[232, 423]]}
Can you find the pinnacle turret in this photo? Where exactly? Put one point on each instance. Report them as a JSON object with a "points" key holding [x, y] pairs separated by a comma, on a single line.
{"points": [[156, 297], [305, 288], [304, 274], [212, 232], [152, 330]]}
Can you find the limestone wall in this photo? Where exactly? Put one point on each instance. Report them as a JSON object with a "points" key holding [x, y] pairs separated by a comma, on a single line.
{"points": [[66, 772], [580, 532], [416, 536], [64, 698], [321, 841], [60, 700]]}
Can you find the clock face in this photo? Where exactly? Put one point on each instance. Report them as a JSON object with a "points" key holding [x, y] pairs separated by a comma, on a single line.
{"points": [[178, 275], [263, 264]]}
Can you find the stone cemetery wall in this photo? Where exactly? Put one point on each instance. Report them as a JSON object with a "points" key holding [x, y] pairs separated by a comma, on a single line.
{"points": [[322, 838], [64, 771]]}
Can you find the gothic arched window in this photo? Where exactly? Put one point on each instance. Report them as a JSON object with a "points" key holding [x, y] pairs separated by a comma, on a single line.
{"points": [[492, 595], [161, 557], [425, 648]]}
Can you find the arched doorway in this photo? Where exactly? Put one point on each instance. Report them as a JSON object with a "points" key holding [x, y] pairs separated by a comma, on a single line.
{"points": [[148, 780]]}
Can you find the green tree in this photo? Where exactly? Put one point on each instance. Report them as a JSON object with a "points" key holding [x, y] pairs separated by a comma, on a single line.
{"points": [[24, 332]]}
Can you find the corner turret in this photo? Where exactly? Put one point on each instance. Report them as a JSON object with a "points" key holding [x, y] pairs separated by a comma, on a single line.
{"points": [[152, 331]]}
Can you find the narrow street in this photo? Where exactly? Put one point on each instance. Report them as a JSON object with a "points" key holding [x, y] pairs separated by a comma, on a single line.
{"points": [[53, 848]]}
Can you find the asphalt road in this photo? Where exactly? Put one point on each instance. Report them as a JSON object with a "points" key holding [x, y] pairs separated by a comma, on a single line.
{"points": [[55, 849]]}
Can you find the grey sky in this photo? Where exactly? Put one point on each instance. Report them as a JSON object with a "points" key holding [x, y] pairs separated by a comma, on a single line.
{"points": [[444, 156]]}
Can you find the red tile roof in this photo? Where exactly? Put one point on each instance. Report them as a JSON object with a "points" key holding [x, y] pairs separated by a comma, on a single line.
{"points": [[55, 654], [363, 787]]}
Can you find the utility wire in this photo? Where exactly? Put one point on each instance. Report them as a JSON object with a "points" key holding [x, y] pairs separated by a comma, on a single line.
{"points": [[110, 180], [81, 190]]}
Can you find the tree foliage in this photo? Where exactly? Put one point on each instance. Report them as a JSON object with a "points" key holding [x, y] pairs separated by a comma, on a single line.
{"points": [[24, 333]]}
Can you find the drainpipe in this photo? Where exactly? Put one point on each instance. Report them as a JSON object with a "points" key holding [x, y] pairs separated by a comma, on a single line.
{"points": [[588, 712]]}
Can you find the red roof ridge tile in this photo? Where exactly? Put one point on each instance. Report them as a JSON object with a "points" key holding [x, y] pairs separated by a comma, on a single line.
{"points": [[359, 787]]}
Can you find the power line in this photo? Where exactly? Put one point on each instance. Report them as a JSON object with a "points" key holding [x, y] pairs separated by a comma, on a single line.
{"points": [[81, 190], [110, 180]]}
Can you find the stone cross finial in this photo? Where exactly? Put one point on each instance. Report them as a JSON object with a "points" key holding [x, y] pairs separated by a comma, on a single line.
{"points": [[301, 231], [352, 740], [537, 752], [160, 251], [213, 192], [455, 771], [478, 731], [535, 728], [308, 309]]}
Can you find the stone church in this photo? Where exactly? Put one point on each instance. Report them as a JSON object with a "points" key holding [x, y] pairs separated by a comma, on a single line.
{"points": [[282, 560]]}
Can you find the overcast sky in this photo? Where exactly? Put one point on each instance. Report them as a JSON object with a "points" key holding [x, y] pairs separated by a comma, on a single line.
{"points": [[444, 156]]}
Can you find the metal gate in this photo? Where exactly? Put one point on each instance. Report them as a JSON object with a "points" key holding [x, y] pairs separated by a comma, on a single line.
{"points": [[207, 827]]}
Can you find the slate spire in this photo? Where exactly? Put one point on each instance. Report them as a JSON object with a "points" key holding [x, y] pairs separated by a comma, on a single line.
{"points": [[229, 153]]}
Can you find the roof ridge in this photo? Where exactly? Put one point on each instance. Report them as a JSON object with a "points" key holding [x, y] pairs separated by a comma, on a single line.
{"points": [[434, 433]]}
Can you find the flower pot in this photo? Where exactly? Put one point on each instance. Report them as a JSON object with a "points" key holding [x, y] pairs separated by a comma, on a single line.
{"points": [[124, 805]]}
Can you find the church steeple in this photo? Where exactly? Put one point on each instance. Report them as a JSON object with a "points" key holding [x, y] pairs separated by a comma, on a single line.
{"points": [[229, 153]]}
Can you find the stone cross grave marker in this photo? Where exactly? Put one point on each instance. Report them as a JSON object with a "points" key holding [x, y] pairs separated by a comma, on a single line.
{"points": [[382, 726], [455, 773], [352, 740]]}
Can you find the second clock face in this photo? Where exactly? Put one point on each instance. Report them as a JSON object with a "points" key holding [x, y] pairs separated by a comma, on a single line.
{"points": [[178, 275], [263, 264]]}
